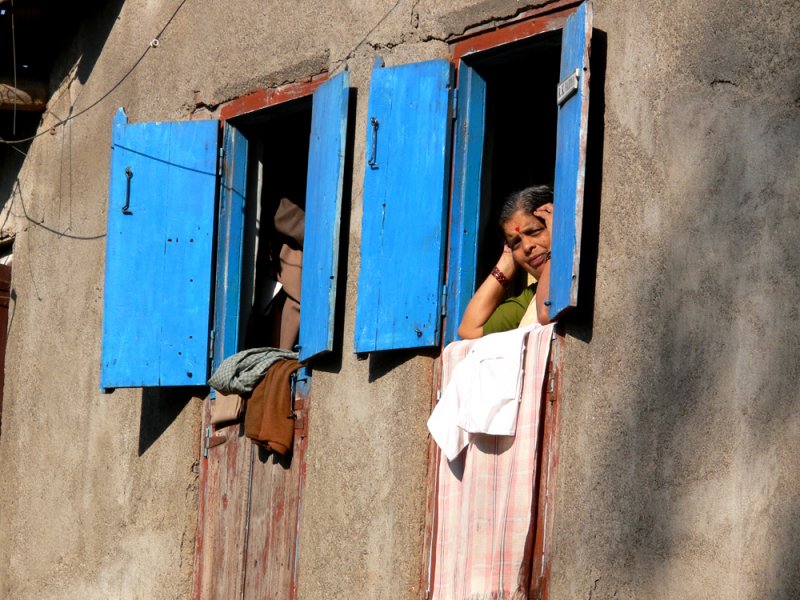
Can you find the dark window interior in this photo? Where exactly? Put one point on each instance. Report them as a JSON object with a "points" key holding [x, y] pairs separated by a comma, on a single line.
{"points": [[520, 135], [278, 140]]}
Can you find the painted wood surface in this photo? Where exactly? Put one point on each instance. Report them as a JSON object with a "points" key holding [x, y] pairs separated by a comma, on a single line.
{"points": [[573, 118], [323, 215], [404, 200], [232, 194], [465, 208], [276, 496], [250, 513], [548, 466], [158, 257], [224, 517]]}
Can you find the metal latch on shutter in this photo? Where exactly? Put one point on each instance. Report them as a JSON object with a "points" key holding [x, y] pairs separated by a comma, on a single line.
{"points": [[212, 440], [567, 87]]}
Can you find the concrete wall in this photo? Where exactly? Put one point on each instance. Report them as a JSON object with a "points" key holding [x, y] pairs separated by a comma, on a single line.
{"points": [[677, 468], [681, 412]]}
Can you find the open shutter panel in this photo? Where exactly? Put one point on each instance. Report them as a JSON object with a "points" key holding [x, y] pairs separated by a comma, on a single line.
{"points": [[232, 194], [405, 190], [465, 210], [573, 118], [323, 215], [158, 253]]}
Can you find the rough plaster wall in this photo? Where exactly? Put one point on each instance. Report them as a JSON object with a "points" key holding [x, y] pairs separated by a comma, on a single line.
{"points": [[100, 492], [677, 474], [680, 418]]}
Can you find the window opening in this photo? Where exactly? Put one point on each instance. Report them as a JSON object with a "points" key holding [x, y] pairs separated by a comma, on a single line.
{"points": [[510, 133], [520, 131], [278, 142]]}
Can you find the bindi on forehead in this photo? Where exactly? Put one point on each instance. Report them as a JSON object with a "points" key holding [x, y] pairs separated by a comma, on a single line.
{"points": [[516, 229]]}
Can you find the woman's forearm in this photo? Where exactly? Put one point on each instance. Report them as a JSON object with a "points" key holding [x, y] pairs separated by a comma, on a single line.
{"points": [[543, 295], [486, 299]]}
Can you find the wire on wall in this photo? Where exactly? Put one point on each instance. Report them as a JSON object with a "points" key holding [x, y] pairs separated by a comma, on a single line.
{"points": [[154, 43]]}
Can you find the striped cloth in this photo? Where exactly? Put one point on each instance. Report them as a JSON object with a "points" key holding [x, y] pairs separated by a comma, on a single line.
{"points": [[484, 504]]}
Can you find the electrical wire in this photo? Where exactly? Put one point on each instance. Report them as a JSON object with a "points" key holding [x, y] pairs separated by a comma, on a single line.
{"points": [[153, 44]]}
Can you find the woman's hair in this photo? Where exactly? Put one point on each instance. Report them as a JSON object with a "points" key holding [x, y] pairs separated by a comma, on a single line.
{"points": [[526, 200]]}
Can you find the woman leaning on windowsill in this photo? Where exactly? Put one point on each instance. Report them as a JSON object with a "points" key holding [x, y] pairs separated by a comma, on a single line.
{"points": [[526, 220]]}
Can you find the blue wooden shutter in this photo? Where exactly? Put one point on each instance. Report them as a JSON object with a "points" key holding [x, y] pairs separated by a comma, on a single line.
{"points": [[465, 211], [405, 193], [232, 193], [323, 215], [573, 118], [158, 256]]}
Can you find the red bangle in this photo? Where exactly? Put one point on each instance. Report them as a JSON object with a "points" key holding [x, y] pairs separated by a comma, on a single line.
{"points": [[501, 279]]}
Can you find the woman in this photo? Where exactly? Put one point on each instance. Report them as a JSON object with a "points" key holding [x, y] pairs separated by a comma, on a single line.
{"points": [[526, 220]]}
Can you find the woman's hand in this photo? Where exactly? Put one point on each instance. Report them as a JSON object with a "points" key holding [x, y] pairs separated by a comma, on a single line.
{"points": [[488, 296], [506, 262], [545, 213]]}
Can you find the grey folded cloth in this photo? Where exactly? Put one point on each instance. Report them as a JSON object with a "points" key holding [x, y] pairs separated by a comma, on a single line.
{"points": [[240, 373]]}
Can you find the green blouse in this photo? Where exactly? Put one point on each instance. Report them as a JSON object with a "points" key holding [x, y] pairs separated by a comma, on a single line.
{"points": [[510, 312]]}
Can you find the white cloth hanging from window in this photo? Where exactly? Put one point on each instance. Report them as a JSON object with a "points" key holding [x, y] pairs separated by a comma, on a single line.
{"points": [[484, 498], [483, 393]]}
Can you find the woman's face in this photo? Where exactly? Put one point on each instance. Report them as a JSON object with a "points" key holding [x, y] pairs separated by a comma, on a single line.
{"points": [[529, 241]]}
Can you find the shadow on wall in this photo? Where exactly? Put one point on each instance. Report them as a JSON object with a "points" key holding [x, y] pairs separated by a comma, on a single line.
{"points": [[13, 156], [688, 477], [160, 408]]}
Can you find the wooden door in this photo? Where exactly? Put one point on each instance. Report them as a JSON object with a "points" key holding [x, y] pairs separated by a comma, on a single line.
{"points": [[249, 514]]}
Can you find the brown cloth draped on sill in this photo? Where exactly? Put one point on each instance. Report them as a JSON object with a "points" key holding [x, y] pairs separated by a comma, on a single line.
{"points": [[268, 420]]}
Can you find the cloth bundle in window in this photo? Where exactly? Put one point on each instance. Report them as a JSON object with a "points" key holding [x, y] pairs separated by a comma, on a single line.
{"points": [[291, 275], [482, 396], [281, 299], [226, 408], [240, 373], [290, 221], [269, 421]]}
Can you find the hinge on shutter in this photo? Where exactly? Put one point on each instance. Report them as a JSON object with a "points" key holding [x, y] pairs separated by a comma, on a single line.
{"points": [[221, 166], [553, 364], [444, 300], [211, 337], [454, 109]]}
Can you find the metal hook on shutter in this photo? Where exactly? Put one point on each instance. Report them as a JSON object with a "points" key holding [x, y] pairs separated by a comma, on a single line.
{"points": [[293, 388], [129, 175], [373, 160]]}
